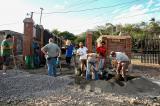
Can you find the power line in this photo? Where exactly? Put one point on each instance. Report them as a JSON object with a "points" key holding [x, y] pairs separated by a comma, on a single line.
{"points": [[140, 14], [89, 9], [100, 14], [97, 22]]}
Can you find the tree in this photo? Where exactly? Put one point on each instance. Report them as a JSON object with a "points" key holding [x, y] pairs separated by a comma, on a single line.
{"points": [[55, 32], [68, 35]]}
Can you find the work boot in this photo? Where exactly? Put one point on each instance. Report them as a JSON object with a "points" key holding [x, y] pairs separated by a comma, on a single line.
{"points": [[4, 69], [118, 77], [125, 78]]}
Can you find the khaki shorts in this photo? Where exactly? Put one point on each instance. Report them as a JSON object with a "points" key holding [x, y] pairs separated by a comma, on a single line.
{"points": [[125, 64], [84, 61]]}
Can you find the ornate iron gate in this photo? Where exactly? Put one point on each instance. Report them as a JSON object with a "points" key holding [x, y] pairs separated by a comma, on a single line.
{"points": [[151, 51]]}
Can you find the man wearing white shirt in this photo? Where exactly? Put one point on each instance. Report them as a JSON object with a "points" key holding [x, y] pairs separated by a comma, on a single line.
{"points": [[122, 61], [82, 52]]}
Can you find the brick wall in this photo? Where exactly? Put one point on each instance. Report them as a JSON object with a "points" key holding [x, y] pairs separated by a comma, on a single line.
{"points": [[89, 41]]}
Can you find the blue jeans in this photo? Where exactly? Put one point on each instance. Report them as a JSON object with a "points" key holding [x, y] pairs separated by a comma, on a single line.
{"points": [[89, 64], [51, 63], [101, 65], [36, 61]]}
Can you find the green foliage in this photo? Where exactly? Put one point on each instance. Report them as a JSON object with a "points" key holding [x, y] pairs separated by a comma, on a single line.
{"points": [[55, 31], [68, 35], [80, 38], [65, 34], [137, 31]]}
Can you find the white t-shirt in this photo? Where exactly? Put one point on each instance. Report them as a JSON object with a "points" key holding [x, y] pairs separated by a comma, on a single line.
{"points": [[121, 57], [82, 52]]}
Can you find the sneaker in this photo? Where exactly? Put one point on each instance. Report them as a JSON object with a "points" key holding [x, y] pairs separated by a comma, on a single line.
{"points": [[3, 73]]}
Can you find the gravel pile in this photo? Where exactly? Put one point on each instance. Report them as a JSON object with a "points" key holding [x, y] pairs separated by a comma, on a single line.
{"points": [[21, 85], [135, 87], [24, 89]]}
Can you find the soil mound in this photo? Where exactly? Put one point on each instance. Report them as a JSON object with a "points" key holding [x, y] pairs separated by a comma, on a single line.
{"points": [[135, 87]]}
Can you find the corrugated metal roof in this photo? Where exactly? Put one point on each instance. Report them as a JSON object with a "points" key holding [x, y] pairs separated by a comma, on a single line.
{"points": [[10, 32]]}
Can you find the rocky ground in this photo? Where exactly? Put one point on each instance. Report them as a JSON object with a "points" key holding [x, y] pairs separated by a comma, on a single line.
{"points": [[34, 87]]}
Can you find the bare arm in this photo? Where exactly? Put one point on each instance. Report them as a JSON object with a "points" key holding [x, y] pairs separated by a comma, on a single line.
{"points": [[43, 51]]}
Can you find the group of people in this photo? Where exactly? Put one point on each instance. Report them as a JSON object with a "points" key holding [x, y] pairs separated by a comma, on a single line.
{"points": [[88, 61], [96, 62]]}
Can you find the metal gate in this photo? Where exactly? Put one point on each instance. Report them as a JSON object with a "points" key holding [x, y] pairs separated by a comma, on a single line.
{"points": [[151, 51]]}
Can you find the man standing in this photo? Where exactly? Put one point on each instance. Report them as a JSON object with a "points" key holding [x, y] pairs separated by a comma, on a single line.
{"points": [[82, 52], [101, 50], [36, 53], [92, 62], [52, 52], [6, 51], [122, 63]]}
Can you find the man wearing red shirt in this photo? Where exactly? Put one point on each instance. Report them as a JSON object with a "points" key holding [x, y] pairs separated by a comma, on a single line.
{"points": [[101, 50]]}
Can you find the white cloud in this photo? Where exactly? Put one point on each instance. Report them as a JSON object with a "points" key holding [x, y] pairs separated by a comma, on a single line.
{"points": [[59, 7], [150, 3], [116, 11], [14, 11], [73, 24], [155, 9], [157, 5], [136, 7], [135, 14]]}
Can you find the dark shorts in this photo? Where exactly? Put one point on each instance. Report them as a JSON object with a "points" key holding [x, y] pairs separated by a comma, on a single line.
{"points": [[6, 60]]}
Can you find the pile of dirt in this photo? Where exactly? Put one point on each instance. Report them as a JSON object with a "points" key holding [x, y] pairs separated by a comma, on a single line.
{"points": [[135, 87]]}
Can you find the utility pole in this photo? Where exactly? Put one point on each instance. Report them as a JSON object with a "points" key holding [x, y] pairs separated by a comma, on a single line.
{"points": [[31, 15], [41, 15]]}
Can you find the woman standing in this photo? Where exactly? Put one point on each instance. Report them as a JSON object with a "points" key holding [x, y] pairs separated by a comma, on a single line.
{"points": [[69, 51]]}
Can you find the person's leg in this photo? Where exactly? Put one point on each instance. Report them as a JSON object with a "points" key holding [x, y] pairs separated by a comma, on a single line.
{"points": [[95, 71], [85, 66], [82, 68], [88, 71], [36, 61], [124, 67], [4, 69], [69, 60], [54, 67], [50, 67], [103, 64], [85, 63], [5, 63], [82, 64], [100, 66], [118, 70]]}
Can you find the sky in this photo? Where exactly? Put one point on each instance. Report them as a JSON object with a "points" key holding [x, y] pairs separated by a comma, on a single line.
{"points": [[76, 16]]}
